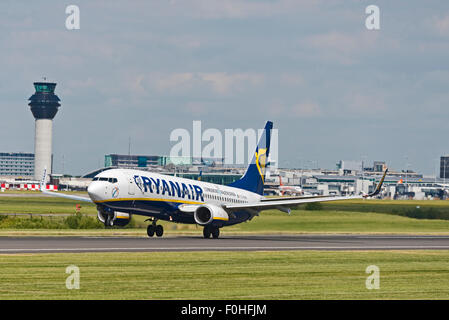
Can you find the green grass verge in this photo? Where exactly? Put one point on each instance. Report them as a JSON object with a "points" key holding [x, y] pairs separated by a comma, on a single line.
{"points": [[227, 275], [340, 222], [356, 216], [435, 209], [299, 221], [23, 203]]}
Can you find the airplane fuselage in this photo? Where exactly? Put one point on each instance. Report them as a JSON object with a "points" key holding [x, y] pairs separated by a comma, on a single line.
{"points": [[161, 196]]}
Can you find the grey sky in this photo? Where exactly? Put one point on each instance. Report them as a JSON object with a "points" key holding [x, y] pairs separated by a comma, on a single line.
{"points": [[334, 89]]}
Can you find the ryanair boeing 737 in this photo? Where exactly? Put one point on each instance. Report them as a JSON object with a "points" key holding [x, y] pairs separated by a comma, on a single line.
{"points": [[120, 193]]}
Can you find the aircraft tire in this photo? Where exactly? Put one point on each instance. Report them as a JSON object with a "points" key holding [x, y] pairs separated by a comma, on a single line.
{"points": [[206, 232], [150, 230], [215, 233], [159, 230]]}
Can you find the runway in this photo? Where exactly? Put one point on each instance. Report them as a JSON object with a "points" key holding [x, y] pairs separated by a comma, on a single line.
{"points": [[10, 245]]}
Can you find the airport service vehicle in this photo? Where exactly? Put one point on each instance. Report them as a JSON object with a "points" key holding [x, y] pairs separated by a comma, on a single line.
{"points": [[121, 193]]}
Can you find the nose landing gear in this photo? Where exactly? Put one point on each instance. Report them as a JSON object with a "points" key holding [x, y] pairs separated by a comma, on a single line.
{"points": [[155, 228]]}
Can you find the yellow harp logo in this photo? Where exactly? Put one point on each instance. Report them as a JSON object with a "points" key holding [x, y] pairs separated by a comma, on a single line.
{"points": [[261, 161]]}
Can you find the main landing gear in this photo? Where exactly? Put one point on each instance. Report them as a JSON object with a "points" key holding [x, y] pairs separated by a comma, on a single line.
{"points": [[210, 230], [109, 221], [155, 228]]}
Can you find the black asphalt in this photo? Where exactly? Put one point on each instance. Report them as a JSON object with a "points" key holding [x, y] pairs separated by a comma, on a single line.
{"points": [[224, 243]]}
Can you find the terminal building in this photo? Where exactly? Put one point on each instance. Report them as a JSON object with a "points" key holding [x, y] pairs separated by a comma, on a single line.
{"points": [[17, 164], [133, 161], [142, 161]]}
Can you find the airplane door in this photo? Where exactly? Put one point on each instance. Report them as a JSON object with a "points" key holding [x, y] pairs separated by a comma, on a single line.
{"points": [[131, 186]]}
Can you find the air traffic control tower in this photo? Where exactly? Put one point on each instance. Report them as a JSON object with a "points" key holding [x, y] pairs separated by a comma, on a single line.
{"points": [[44, 106]]}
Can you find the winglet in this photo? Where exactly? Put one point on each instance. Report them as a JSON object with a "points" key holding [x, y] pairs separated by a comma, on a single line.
{"points": [[43, 183], [379, 186]]}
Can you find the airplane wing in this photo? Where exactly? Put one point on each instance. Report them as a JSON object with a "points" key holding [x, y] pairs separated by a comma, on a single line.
{"points": [[42, 188], [67, 196], [290, 198], [286, 204]]}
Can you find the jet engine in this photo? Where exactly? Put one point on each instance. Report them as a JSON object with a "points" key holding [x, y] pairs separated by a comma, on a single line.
{"points": [[114, 218], [207, 213]]}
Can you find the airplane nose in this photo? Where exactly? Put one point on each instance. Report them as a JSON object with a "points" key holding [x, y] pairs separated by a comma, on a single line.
{"points": [[95, 191]]}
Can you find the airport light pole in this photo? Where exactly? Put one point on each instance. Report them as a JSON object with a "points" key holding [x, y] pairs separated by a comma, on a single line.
{"points": [[363, 171]]}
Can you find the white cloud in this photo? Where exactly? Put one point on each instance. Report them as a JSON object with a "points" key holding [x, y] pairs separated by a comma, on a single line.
{"points": [[441, 25], [303, 109], [306, 109], [292, 79], [223, 82], [365, 103], [219, 82], [238, 9], [197, 107], [174, 80], [335, 40], [152, 59], [344, 47]]}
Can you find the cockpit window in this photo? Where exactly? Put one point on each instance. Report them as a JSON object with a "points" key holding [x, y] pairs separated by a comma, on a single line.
{"points": [[110, 180]]}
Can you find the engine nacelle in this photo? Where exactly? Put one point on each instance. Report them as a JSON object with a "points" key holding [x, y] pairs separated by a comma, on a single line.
{"points": [[115, 218], [207, 213]]}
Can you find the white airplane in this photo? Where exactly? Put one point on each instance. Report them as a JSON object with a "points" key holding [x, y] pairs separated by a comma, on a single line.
{"points": [[120, 193], [291, 190]]}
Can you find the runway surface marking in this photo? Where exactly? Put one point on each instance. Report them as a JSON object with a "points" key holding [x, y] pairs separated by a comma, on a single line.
{"points": [[124, 249], [226, 243]]}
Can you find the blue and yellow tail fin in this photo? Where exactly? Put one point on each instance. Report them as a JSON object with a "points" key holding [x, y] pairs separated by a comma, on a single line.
{"points": [[254, 177]]}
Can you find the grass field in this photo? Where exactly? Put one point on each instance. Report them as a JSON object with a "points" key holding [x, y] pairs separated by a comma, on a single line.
{"points": [[235, 275], [32, 202], [227, 275]]}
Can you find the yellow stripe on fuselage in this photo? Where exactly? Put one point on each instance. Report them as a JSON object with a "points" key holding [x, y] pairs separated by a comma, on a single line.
{"points": [[149, 199], [122, 217], [218, 218]]}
